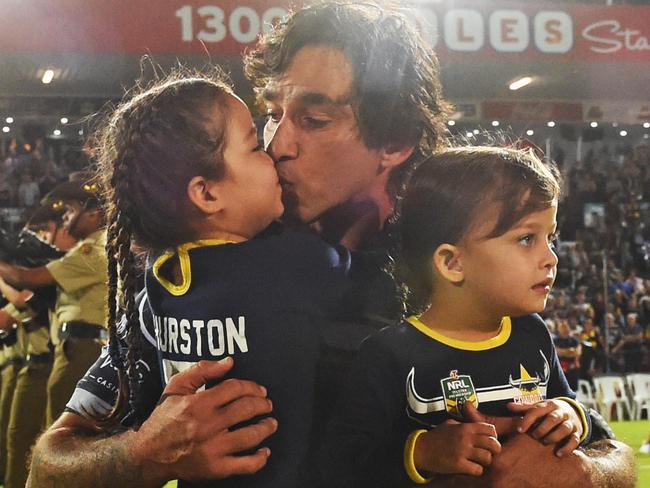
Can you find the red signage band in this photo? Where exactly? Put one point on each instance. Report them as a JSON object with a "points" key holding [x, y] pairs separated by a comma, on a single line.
{"points": [[459, 28]]}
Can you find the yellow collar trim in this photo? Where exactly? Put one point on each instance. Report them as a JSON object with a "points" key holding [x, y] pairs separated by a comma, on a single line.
{"points": [[501, 338], [184, 260]]}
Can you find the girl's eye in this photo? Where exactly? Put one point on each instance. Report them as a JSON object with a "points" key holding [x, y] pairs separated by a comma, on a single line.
{"points": [[526, 240], [273, 117]]}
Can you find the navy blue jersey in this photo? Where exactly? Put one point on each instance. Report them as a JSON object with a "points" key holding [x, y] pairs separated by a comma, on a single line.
{"points": [[265, 303], [408, 378]]}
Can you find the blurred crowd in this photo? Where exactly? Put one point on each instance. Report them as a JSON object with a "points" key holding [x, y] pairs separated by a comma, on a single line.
{"points": [[28, 171], [599, 311]]}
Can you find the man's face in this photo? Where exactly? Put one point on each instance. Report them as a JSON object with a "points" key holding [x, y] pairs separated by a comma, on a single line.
{"points": [[313, 135], [79, 222]]}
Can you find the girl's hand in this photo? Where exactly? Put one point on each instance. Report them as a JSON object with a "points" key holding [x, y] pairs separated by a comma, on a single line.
{"points": [[453, 447], [551, 422]]}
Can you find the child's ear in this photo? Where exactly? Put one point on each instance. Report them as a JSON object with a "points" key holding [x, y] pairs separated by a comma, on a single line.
{"points": [[204, 195], [446, 259]]}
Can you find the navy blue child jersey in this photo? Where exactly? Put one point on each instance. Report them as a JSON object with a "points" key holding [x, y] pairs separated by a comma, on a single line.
{"points": [[408, 378], [263, 302]]}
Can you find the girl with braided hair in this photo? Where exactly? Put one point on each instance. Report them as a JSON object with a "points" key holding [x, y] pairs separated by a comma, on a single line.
{"points": [[186, 181]]}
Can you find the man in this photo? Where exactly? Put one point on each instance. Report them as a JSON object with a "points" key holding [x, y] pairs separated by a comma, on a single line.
{"points": [[630, 344], [353, 96], [27, 414], [80, 276]]}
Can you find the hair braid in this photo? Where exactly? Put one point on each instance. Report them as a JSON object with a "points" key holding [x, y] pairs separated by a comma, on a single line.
{"points": [[151, 146]]}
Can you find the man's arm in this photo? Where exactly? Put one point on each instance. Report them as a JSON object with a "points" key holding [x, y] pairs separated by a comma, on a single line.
{"points": [[22, 277], [526, 463], [187, 436]]}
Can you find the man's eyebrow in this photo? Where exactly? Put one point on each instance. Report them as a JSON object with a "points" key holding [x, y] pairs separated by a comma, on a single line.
{"points": [[307, 98]]}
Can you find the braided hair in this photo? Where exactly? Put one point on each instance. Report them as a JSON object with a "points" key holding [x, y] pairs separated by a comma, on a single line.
{"points": [[153, 144]]}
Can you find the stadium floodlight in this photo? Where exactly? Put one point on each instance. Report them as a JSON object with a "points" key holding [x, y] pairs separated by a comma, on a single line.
{"points": [[48, 76], [623, 133], [9, 120], [470, 134], [5, 129], [64, 120], [646, 125], [520, 83], [81, 132], [594, 124], [530, 132], [550, 123], [495, 123], [56, 132], [476, 131], [615, 124], [451, 123]]}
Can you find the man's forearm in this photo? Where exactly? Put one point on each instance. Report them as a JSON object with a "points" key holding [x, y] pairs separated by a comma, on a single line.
{"points": [[21, 277], [66, 458], [611, 464]]}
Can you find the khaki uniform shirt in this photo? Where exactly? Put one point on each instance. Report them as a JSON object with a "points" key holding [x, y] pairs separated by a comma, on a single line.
{"points": [[82, 278]]}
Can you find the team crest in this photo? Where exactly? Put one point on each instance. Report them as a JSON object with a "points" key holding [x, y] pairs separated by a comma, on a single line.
{"points": [[458, 389], [526, 387]]}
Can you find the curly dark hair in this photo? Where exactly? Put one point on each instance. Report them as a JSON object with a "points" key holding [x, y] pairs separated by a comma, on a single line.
{"points": [[396, 92]]}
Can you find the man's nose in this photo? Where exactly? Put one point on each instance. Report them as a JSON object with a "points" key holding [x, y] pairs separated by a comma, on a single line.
{"points": [[280, 140]]}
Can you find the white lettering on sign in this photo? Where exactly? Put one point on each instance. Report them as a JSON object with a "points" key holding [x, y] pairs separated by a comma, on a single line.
{"points": [[244, 24], [463, 30], [553, 32], [509, 31], [613, 37]]}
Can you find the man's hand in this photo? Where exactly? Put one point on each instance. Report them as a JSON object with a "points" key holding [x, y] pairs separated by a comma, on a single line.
{"points": [[188, 436], [551, 422], [453, 447]]}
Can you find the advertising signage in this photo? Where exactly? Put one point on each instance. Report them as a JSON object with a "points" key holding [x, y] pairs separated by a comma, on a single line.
{"points": [[456, 28]]}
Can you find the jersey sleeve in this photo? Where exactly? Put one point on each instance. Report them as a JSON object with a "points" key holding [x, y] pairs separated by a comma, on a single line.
{"points": [[82, 266], [558, 386], [360, 448], [96, 393]]}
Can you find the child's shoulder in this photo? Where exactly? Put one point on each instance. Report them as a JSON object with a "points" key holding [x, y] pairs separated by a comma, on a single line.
{"points": [[530, 324]]}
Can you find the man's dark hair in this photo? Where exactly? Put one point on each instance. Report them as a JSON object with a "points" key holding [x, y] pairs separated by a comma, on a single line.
{"points": [[396, 92]]}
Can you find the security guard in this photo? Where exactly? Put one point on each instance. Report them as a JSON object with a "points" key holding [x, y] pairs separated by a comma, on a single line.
{"points": [[27, 415], [79, 326]]}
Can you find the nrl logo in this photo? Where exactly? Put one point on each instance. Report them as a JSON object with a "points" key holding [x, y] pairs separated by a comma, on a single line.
{"points": [[458, 389]]}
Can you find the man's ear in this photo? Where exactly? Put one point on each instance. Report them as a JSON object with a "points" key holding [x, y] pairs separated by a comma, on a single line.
{"points": [[204, 195], [446, 259], [394, 156]]}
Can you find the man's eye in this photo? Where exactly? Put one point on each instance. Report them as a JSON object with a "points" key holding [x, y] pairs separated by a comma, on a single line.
{"points": [[314, 123]]}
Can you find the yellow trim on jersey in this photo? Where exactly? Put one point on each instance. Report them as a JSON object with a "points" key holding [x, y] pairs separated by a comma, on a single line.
{"points": [[184, 261], [409, 462], [501, 338], [581, 413]]}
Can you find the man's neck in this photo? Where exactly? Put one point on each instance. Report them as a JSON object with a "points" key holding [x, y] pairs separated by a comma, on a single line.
{"points": [[354, 224]]}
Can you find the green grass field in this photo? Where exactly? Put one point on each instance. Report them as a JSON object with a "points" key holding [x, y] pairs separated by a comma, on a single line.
{"points": [[634, 433]]}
